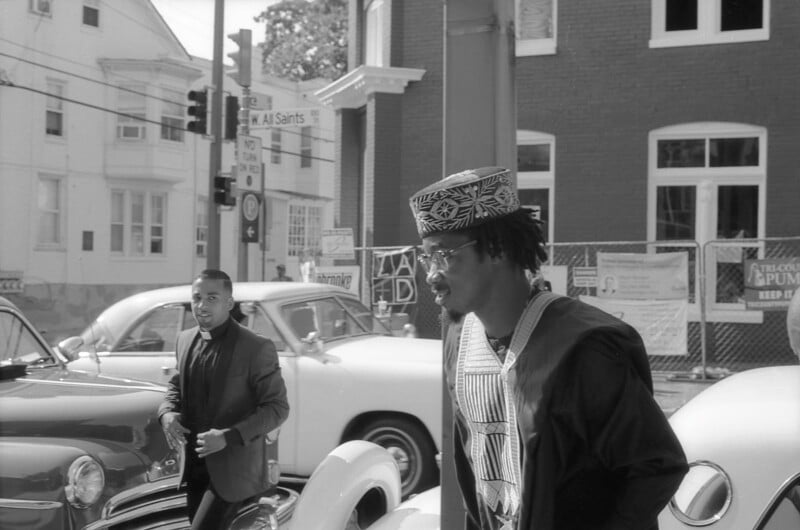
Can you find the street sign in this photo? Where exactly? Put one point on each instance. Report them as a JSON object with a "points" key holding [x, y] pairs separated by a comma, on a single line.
{"points": [[251, 207], [248, 163], [279, 118], [259, 101]]}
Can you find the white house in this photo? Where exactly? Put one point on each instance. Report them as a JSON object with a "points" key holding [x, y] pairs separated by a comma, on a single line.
{"points": [[102, 190]]}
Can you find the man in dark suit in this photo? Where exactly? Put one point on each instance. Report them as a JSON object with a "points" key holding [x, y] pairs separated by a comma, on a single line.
{"points": [[227, 395]]}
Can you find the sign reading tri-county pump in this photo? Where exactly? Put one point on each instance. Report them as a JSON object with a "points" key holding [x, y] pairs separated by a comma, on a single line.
{"points": [[251, 207], [248, 163], [281, 118]]}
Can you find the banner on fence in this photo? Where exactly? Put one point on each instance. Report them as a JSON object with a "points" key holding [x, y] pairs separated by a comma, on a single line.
{"points": [[770, 283], [337, 243], [393, 276], [346, 276], [643, 276], [661, 323]]}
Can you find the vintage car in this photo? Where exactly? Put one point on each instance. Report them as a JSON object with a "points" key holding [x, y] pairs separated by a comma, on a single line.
{"points": [[742, 438], [79, 450], [348, 377]]}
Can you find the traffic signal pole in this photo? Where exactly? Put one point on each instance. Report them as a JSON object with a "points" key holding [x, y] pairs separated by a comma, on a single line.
{"points": [[242, 58], [215, 156]]}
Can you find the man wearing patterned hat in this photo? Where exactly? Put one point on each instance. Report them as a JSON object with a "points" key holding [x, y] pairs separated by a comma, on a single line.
{"points": [[555, 425]]}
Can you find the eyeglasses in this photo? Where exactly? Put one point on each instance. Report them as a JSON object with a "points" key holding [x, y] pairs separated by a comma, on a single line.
{"points": [[441, 257]]}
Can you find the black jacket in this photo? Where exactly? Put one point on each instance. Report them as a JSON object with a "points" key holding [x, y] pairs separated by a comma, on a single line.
{"points": [[598, 452]]}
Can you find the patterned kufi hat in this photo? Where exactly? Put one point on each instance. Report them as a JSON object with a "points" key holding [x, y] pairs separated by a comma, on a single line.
{"points": [[464, 199]]}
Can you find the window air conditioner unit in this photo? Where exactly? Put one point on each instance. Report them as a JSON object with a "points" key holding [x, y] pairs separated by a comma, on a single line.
{"points": [[42, 7]]}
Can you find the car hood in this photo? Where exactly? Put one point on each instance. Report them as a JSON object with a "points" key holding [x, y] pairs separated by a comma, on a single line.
{"points": [[60, 403], [387, 349]]}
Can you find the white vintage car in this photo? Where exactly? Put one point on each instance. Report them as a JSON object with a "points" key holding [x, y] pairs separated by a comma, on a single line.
{"points": [[347, 376], [742, 440]]}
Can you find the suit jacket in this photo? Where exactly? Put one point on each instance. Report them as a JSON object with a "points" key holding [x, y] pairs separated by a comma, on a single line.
{"points": [[598, 453], [247, 394]]}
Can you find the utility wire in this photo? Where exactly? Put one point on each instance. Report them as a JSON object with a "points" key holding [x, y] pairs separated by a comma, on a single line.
{"points": [[65, 72], [297, 154], [93, 80], [66, 60], [132, 116]]}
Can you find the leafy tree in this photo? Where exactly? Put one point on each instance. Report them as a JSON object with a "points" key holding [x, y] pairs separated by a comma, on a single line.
{"points": [[305, 39]]}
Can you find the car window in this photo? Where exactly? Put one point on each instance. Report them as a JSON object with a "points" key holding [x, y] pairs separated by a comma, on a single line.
{"points": [[785, 511], [157, 332], [365, 316], [18, 344], [326, 316], [264, 326]]}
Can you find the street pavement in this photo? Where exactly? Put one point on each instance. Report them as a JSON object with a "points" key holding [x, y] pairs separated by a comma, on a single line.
{"points": [[671, 393]]}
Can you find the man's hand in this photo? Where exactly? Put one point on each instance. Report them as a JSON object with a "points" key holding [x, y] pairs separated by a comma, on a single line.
{"points": [[173, 430], [210, 442]]}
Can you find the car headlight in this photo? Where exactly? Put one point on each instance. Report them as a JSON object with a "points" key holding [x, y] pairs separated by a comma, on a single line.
{"points": [[85, 482]]}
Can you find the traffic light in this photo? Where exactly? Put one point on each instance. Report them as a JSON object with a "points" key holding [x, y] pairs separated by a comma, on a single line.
{"points": [[231, 117], [223, 194], [242, 57], [198, 110]]}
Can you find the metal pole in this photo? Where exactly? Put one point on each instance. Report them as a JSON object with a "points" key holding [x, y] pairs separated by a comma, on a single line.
{"points": [[244, 130], [215, 156]]}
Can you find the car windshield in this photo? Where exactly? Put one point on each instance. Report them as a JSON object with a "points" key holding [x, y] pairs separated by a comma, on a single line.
{"points": [[331, 318], [19, 344]]}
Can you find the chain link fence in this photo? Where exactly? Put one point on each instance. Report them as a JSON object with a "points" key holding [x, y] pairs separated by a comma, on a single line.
{"points": [[727, 328]]}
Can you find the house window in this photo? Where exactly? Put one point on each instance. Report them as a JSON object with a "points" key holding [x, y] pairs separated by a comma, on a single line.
{"points": [[201, 228], [305, 147], [91, 13], [50, 202], [275, 146], [374, 32], [172, 111], [42, 7], [132, 112], [138, 222], [536, 176], [693, 22], [54, 118], [536, 27], [305, 228], [708, 183]]}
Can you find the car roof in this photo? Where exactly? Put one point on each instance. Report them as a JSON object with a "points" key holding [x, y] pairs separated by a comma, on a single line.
{"points": [[242, 291], [7, 303]]}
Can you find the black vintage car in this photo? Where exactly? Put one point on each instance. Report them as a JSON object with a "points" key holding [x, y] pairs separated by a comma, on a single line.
{"points": [[79, 450]]}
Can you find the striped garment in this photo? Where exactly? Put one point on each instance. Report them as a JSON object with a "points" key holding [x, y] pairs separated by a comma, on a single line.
{"points": [[483, 396]]}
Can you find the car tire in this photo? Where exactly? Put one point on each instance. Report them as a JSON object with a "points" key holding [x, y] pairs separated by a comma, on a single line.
{"points": [[411, 447]]}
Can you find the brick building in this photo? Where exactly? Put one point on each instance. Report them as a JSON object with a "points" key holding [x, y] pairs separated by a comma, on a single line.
{"points": [[636, 121]]}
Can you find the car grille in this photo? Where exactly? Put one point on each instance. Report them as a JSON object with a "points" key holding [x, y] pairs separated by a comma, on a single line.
{"points": [[155, 505], [161, 506]]}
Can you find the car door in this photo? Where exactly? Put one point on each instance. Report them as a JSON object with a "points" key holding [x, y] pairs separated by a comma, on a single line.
{"points": [[146, 350], [261, 323], [322, 379]]}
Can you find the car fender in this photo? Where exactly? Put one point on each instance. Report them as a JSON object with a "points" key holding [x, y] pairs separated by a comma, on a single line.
{"points": [[343, 478], [420, 512]]}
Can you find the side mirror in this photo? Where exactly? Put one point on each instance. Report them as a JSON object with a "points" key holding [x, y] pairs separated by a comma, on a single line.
{"points": [[410, 331], [313, 344], [71, 347], [74, 348]]}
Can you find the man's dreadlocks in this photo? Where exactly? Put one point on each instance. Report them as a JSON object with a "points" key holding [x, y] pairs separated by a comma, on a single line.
{"points": [[517, 235]]}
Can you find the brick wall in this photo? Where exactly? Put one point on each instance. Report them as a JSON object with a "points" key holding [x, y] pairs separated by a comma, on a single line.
{"points": [[605, 89]]}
